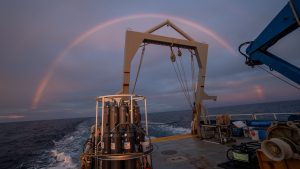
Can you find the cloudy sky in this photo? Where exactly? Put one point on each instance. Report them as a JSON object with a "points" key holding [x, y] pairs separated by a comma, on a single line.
{"points": [[57, 56]]}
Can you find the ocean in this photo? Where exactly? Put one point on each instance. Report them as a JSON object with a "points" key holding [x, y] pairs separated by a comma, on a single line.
{"points": [[58, 143]]}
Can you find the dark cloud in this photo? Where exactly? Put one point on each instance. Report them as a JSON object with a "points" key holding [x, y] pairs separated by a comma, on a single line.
{"points": [[33, 33]]}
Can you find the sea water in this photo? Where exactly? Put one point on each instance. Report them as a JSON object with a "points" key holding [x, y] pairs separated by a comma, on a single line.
{"points": [[58, 143]]}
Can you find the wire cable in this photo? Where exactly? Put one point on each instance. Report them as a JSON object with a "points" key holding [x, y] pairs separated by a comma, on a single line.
{"points": [[178, 78], [247, 59], [183, 84], [287, 82], [185, 80], [139, 68]]}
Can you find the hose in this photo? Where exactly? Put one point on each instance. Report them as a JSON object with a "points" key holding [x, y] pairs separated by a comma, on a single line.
{"points": [[240, 47]]}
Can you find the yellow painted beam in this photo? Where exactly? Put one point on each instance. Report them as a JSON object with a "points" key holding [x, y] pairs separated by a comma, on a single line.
{"points": [[171, 138]]}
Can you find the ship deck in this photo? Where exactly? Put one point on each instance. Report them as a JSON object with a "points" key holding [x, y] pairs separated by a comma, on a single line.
{"points": [[187, 151]]}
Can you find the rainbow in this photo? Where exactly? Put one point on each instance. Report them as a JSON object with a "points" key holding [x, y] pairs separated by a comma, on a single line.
{"points": [[85, 35]]}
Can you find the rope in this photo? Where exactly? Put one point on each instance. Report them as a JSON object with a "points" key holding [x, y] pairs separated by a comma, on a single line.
{"points": [[139, 68]]}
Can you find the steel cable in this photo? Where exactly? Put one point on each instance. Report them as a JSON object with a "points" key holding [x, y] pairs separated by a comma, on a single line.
{"points": [[139, 68]]}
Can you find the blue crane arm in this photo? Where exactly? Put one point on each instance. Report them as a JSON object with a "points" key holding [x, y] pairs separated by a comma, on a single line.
{"points": [[286, 21]]}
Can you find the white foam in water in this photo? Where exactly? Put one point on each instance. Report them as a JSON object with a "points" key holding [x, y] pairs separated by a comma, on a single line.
{"points": [[64, 160], [175, 130], [66, 152], [169, 128]]}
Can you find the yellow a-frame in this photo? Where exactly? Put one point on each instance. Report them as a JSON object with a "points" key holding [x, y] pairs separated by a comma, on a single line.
{"points": [[135, 39]]}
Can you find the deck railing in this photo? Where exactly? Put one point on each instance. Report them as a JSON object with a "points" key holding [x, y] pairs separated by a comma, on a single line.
{"points": [[255, 116]]}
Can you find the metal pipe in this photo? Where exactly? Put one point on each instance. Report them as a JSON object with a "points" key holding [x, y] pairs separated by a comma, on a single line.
{"points": [[146, 115], [96, 130], [96, 127], [275, 117], [169, 23], [102, 115], [131, 110], [257, 114]]}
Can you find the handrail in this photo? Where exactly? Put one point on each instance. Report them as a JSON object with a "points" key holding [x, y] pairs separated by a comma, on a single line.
{"points": [[134, 97], [254, 115]]}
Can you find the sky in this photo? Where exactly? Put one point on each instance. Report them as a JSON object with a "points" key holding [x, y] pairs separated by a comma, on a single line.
{"points": [[57, 56]]}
